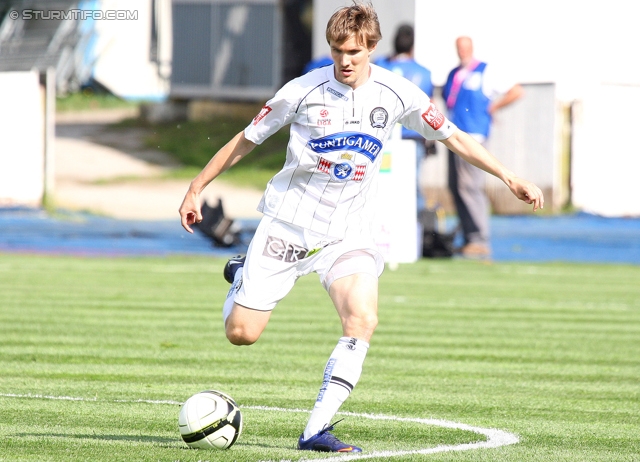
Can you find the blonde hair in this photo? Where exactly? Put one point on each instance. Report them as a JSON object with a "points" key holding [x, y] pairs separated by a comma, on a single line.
{"points": [[359, 20]]}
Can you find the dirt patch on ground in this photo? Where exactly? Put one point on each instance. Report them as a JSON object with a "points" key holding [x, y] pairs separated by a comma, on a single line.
{"points": [[110, 171]]}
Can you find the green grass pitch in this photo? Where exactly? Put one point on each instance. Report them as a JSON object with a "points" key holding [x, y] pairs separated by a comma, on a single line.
{"points": [[96, 354]]}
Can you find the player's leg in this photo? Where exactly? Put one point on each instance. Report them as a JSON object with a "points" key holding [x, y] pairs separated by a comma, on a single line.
{"points": [[356, 300], [258, 283], [244, 326], [352, 284]]}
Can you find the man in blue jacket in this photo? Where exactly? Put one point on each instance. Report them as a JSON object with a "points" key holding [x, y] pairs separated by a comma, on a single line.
{"points": [[473, 93]]}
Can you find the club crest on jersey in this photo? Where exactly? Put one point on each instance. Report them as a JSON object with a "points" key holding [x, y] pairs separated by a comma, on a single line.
{"points": [[361, 143], [379, 117], [343, 170]]}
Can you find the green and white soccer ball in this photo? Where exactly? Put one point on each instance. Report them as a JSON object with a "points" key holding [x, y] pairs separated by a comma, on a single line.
{"points": [[210, 420]]}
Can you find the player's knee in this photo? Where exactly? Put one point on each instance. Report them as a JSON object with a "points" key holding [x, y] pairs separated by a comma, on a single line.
{"points": [[366, 317], [370, 321], [238, 335], [361, 324]]}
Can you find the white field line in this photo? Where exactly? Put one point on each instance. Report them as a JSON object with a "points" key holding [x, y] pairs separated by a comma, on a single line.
{"points": [[495, 437]]}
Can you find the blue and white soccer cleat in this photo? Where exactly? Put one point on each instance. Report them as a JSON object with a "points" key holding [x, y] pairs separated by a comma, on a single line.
{"points": [[325, 442], [231, 267]]}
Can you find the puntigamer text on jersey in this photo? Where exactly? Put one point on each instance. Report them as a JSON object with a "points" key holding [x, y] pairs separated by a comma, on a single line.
{"points": [[361, 143]]}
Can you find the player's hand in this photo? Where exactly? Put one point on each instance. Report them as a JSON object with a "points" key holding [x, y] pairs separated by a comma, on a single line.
{"points": [[190, 211], [528, 192]]}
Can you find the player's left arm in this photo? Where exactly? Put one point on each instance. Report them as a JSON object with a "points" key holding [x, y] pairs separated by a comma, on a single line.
{"points": [[474, 153]]}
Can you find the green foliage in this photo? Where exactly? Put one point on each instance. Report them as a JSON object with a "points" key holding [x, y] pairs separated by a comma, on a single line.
{"points": [[194, 143], [87, 100], [550, 352]]}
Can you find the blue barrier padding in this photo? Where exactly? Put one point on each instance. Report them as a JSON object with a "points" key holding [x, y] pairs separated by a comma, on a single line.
{"points": [[569, 238]]}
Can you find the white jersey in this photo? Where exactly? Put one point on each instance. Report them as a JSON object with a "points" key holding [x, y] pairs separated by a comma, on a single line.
{"points": [[329, 180]]}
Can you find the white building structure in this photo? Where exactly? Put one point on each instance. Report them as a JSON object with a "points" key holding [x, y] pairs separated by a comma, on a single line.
{"points": [[133, 54], [582, 81], [22, 135]]}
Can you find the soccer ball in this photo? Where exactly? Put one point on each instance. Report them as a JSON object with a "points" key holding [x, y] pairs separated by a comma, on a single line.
{"points": [[210, 420]]}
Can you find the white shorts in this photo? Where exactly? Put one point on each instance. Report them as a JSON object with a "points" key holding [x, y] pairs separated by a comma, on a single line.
{"points": [[280, 253]]}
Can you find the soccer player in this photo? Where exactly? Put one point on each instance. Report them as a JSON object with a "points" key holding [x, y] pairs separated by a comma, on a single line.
{"points": [[318, 209]]}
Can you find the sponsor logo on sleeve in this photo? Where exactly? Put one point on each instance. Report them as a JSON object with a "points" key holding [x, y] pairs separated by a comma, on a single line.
{"points": [[261, 115], [433, 117]]}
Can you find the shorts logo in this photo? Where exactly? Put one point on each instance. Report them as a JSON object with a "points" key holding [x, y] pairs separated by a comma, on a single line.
{"points": [[337, 93], [433, 117], [282, 250], [261, 115], [344, 170], [379, 117], [324, 113]]}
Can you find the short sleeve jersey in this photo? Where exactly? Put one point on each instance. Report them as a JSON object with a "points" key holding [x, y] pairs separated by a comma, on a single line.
{"points": [[410, 69], [328, 183]]}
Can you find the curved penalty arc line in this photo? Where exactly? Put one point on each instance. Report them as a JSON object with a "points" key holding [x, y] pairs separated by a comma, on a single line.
{"points": [[495, 438]]}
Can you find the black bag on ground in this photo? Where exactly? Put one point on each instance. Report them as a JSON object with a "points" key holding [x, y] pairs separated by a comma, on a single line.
{"points": [[436, 243], [222, 230]]}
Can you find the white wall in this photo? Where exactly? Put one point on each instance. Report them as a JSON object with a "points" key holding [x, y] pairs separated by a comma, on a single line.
{"points": [[21, 139], [573, 43], [605, 174], [588, 49], [123, 47]]}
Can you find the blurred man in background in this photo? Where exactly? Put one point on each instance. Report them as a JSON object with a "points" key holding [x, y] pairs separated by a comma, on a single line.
{"points": [[473, 93]]}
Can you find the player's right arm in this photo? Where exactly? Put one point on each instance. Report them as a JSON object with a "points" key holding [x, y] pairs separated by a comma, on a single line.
{"points": [[277, 112], [229, 155]]}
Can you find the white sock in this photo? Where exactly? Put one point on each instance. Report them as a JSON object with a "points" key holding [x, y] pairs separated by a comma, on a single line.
{"points": [[228, 303], [341, 374]]}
